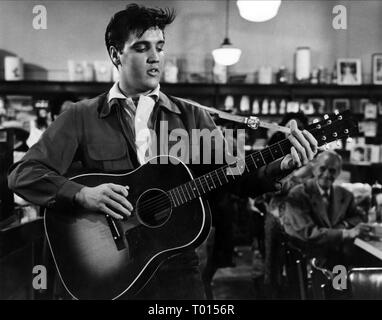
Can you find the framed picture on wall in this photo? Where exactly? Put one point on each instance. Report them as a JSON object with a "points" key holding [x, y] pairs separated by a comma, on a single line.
{"points": [[341, 104], [349, 71], [318, 105], [377, 68]]}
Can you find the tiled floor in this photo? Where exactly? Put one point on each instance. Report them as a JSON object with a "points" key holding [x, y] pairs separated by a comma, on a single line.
{"points": [[242, 282]]}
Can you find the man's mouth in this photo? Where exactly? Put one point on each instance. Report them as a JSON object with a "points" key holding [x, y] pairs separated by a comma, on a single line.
{"points": [[153, 72]]}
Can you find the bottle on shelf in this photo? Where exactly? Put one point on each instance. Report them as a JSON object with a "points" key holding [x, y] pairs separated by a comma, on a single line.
{"points": [[255, 107], [323, 75], [302, 64], [244, 104], [282, 75], [265, 107], [273, 108], [282, 108], [229, 103], [171, 70], [315, 76], [334, 75]]}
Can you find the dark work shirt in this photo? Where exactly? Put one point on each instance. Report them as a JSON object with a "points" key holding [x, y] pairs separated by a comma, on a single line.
{"points": [[93, 136]]}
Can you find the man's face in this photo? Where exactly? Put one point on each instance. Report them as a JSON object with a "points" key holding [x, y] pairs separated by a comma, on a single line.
{"points": [[142, 62], [326, 171]]}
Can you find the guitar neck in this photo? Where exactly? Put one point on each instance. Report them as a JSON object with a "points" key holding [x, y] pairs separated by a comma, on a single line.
{"points": [[334, 127], [228, 173]]}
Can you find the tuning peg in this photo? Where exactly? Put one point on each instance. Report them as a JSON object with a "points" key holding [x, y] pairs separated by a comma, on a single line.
{"points": [[335, 134], [346, 131], [326, 117], [336, 112], [316, 120]]}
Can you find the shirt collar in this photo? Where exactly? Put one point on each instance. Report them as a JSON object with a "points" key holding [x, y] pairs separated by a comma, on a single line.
{"points": [[115, 93], [322, 191]]}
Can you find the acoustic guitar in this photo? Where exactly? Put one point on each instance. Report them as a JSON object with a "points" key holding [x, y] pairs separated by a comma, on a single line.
{"points": [[98, 257]]}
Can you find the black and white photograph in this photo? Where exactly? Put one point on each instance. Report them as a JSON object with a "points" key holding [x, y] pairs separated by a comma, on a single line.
{"points": [[150, 153], [349, 71], [341, 104], [377, 68]]}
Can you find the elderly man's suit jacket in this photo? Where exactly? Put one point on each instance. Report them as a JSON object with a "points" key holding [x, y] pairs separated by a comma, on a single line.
{"points": [[306, 218]]}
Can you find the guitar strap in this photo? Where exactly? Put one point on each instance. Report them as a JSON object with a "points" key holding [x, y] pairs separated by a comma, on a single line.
{"points": [[213, 111], [252, 122]]}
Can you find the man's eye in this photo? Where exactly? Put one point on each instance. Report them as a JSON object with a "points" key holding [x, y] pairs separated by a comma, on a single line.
{"points": [[159, 49], [140, 48]]}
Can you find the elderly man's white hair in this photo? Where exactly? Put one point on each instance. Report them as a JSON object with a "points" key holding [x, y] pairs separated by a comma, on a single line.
{"points": [[331, 154]]}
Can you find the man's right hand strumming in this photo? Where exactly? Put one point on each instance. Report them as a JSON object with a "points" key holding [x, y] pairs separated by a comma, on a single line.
{"points": [[108, 198]]}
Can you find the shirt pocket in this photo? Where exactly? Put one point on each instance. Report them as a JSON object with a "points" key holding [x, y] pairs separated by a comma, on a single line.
{"points": [[111, 156]]}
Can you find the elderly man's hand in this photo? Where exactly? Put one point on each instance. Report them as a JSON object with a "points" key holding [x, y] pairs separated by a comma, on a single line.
{"points": [[304, 148]]}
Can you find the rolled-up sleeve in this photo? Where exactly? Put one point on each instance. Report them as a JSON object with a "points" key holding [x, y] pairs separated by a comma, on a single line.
{"points": [[39, 176]]}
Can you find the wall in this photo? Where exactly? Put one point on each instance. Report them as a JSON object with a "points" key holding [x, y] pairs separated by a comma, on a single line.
{"points": [[76, 30]]}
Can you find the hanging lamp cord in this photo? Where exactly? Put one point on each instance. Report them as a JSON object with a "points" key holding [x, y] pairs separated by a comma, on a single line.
{"points": [[227, 19]]}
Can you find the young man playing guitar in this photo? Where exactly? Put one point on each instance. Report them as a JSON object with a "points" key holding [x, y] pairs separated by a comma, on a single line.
{"points": [[102, 133]]}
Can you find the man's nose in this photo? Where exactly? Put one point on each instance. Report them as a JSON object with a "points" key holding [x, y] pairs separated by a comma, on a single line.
{"points": [[326, 173], [153, 56]]}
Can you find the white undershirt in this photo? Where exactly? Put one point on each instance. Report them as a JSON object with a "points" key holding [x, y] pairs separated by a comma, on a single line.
{"points": [[142, 111], [142, 132]]}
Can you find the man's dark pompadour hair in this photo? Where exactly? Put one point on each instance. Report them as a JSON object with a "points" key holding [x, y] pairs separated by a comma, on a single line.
{"points": [[135, 19]]}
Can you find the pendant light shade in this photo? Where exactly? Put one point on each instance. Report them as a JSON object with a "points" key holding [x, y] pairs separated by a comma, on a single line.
{"points": [[227, 54], [258, 10]]}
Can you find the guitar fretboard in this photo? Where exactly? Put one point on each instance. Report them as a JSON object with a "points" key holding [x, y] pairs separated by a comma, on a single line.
{"points": [[228, 173]]}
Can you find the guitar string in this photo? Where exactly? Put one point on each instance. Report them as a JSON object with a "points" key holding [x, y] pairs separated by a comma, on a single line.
{"points": [[268, 151], [158, 200], [250, 156], [213, 179]]}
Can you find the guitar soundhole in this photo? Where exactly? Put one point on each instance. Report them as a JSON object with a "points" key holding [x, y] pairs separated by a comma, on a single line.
{"points": [[153, 208]]}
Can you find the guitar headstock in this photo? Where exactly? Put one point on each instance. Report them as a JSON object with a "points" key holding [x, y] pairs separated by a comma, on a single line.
{"points": [[334, 127]]}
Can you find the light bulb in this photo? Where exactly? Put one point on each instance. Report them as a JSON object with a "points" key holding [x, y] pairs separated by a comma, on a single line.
{"points": [[258, 10], [226, 56]]}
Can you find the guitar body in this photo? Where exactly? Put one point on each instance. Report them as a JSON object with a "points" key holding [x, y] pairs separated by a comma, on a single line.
{"points": [[92, 264]]}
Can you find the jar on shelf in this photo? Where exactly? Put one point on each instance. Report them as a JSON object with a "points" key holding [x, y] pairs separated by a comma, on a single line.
{"points": [[13, 68], [302, 72], [171, 71], [265, 75]]}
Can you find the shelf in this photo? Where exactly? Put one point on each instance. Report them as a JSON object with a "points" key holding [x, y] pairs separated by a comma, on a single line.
{"points": [[301, 90], [54, 88], [92, 88]]}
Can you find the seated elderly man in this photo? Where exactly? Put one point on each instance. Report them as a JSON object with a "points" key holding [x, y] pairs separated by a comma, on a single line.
{"points": [[323, 216]]}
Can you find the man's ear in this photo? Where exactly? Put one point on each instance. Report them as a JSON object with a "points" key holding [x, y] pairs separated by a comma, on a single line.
{"points": [[114, 55]]}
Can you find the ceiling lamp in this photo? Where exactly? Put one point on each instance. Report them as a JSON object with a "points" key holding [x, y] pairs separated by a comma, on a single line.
{"points": [[227, 54], [258, 10]]}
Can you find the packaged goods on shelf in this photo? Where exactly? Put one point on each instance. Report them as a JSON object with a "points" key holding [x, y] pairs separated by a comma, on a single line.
{"points": [[19, 108]]}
